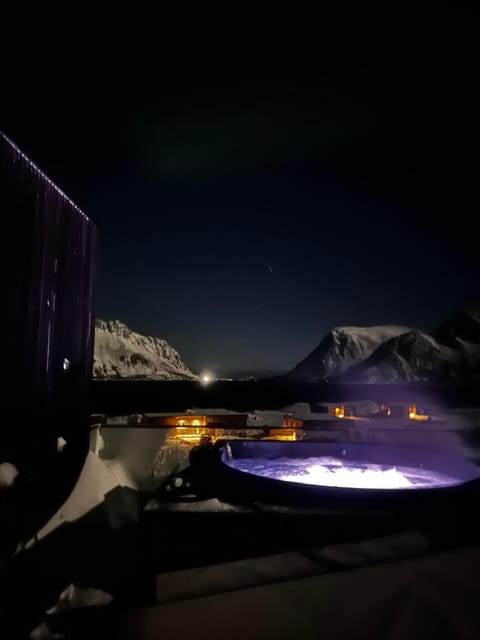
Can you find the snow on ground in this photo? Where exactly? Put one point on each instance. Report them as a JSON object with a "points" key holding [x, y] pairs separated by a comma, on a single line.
{"points": [[94, 482]]}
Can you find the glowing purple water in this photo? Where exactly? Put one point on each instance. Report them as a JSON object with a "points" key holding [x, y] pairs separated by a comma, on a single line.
{"points": [[334, 472]]}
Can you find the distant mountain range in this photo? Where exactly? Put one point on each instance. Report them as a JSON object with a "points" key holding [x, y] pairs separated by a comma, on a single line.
{"points": [[381, 354], [122, 353], [389, 354]]}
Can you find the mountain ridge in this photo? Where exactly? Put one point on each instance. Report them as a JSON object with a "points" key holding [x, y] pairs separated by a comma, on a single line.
{"points": [[394, 354], [120, 352]]}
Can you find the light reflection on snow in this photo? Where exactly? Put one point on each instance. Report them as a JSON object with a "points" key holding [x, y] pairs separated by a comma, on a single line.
{"points": [[333, 472]]}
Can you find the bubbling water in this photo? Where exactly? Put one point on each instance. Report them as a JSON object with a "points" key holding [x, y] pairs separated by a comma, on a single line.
{"points": [[334, 472]]}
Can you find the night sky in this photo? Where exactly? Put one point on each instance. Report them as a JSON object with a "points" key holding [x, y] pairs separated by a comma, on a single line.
{"points": [[247, 205]]}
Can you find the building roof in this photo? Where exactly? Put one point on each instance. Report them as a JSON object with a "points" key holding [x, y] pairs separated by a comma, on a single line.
{"points": [[42, 174]]}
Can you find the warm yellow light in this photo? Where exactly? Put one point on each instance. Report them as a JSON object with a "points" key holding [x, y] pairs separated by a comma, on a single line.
{"points": [[411, 415], [339, 412], [420, 418], [197, 423]]}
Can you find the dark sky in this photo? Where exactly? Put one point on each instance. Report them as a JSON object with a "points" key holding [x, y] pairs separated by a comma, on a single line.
{"points": [[248, 204]]}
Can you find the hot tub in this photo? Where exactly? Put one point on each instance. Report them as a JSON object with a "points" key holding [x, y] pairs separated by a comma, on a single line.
{"points": [[326, 473]]}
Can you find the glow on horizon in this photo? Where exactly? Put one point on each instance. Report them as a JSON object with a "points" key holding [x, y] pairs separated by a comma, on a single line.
{"points": [[206, 377]]}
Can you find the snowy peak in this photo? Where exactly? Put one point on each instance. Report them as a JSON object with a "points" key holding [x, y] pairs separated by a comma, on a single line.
{"points": [[111, 325], [417, 356], [342, 348], [114, 327], [412, 356], [122, 353], [389, 354]]}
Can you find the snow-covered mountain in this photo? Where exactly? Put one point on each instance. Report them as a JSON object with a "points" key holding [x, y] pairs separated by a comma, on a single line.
{"points": [[342, 348], [122, 353], [397, 354]]}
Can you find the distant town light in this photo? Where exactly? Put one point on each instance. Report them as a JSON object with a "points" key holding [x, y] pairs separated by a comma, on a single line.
{"points": [[206, 378]]}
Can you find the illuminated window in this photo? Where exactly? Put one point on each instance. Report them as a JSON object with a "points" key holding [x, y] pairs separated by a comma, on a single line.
{"points": [[339, 412], [412, 411], [197, 423]]}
